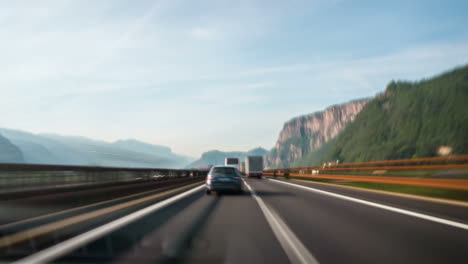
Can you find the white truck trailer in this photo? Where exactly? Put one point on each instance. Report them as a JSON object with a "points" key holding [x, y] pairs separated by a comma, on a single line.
{"points": [[242, 167], [232, 162], [254, 166]]}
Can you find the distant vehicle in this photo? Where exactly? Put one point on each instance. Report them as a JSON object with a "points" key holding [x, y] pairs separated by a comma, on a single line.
{"points": [[204, 168], [232, 162], [254, 166], [242, 167], [158, 177], [223, 178]]}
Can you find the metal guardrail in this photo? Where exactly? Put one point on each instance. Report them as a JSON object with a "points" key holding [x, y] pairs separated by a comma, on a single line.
{"points": [[18, 177], [437, 163], [418, 161], [389, 171]]}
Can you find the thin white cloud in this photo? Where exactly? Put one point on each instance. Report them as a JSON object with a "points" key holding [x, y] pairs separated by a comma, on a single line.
{"points": [[233, 95], [153, 70], [203, 33]]}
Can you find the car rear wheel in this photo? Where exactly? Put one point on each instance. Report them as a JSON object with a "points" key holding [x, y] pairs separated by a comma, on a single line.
{"points": [[208, 192]]}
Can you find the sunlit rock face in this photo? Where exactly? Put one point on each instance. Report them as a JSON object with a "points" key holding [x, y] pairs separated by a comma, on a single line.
{"points": [[307, 133]]}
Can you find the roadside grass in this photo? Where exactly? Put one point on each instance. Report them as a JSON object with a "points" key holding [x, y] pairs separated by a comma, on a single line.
{"points": [[447, 174], [415, 190]]}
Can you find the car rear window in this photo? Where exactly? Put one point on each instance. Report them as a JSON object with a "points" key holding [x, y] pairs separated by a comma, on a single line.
{"points": [[224, 171]]}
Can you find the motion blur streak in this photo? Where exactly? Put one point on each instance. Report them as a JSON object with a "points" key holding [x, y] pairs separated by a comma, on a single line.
{"points": [[385, 207], [454, 184], [42, 230], [67, 246], [293, 247]]}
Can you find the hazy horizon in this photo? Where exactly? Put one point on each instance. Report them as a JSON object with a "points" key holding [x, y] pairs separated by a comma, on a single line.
{"points": [[47, 134], [198, 76]]}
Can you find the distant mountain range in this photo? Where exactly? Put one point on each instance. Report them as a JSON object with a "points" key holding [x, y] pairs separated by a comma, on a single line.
{"points": [[24, 147], [409, 120], [67, 150], [9, 153], [216, 157]]}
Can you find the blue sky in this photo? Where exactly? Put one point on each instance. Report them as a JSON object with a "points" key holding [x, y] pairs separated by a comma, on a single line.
{"points": [[202, 75]]}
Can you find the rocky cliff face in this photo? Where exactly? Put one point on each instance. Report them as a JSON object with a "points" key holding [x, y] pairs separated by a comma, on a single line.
{"points": [[307, 133], [9, 153]]}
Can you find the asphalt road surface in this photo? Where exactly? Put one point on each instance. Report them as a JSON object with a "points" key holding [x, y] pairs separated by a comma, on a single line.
{"points": [[273, 221]]}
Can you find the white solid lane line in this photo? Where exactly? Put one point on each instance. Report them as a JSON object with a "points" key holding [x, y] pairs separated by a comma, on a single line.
{"points": [[296, 251], [381, 206], [73, 243]]}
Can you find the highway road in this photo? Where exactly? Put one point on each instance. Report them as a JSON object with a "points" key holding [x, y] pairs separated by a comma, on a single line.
{"points": [[273, 221]]}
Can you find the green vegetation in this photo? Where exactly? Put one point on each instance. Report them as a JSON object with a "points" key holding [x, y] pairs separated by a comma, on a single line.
{"points": [[446, 174], [315, 157], [295, 143], [410, 120], [416, 190]]}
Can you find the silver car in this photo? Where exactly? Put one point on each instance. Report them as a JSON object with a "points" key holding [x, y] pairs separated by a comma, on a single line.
{"points": [[223, 178]]}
